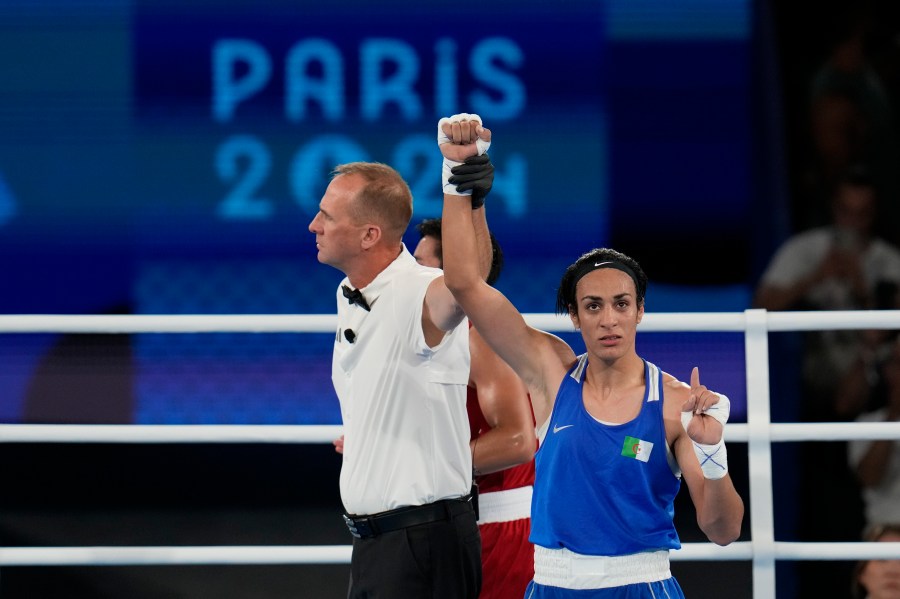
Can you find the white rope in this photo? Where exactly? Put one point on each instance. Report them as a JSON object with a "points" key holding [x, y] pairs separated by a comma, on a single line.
{"points": [[159, 556], [340, 554], [327, 323], [168, 323], [306, 323], [834, 431], [325, 433], [837, 551], [167, 433], [833, 320]]}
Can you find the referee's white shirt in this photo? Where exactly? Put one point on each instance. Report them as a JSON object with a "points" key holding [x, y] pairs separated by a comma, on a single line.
{"points": [[403, 404]]}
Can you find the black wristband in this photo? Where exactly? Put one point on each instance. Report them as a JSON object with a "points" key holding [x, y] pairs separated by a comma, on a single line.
{"points": [[475, 174]]}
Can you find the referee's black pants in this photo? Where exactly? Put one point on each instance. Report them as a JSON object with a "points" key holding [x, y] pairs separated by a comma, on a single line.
{"points": [[438, 560]]}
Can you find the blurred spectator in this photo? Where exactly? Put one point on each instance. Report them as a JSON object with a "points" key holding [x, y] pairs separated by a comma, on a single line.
{"points": [[879, 578], [841, 266], [862, 388], [877, 463]]}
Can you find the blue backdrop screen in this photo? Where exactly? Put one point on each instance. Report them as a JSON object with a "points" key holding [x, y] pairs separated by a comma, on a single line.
{"points": [[167, 157]]}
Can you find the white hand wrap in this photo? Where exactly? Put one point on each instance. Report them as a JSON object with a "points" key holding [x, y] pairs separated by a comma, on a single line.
{"points": [[713, 458], [481, 145], [446, 173]]}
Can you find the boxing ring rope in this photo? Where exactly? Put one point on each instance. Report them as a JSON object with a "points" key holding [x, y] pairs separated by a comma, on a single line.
{"points": [[759, 433], [325, 433]]}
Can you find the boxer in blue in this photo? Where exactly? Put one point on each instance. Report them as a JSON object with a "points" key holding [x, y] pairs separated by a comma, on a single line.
{"points": [[617, 434]]}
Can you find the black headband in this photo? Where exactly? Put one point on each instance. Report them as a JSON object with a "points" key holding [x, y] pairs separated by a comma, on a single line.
{"points": [[590, 266]]}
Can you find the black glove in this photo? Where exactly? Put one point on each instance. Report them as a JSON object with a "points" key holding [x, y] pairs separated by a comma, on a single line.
{"points": [[477, 174]]}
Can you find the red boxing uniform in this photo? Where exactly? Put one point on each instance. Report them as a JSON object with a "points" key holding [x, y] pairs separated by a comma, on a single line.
{"points": [[504, 500]]}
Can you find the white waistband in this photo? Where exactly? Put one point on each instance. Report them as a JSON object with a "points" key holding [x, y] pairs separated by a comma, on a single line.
{"points": [[504, 506], [569, 570]]}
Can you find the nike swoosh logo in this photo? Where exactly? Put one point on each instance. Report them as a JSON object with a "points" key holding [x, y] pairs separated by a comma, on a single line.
{"points": [[557, 428]]}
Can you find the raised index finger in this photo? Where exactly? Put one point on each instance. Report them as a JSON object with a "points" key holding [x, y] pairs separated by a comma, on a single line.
{"points": [[695, 377]]}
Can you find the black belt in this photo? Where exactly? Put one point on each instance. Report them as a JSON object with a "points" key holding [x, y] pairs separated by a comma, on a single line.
{"points": [[365, 527]]}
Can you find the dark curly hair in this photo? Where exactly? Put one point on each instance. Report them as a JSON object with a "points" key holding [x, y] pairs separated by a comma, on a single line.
{"points": [[565, 295], [431, 227]]}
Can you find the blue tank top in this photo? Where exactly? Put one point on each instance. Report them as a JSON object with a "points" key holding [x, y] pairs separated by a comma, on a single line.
{"points": [[604, 489]]}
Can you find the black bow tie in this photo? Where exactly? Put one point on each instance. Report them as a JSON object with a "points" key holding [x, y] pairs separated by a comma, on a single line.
{"points": [[355, 296]]}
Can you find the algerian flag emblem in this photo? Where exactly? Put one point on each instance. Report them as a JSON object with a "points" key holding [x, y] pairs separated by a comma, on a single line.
{"points": [[637, 449]]}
